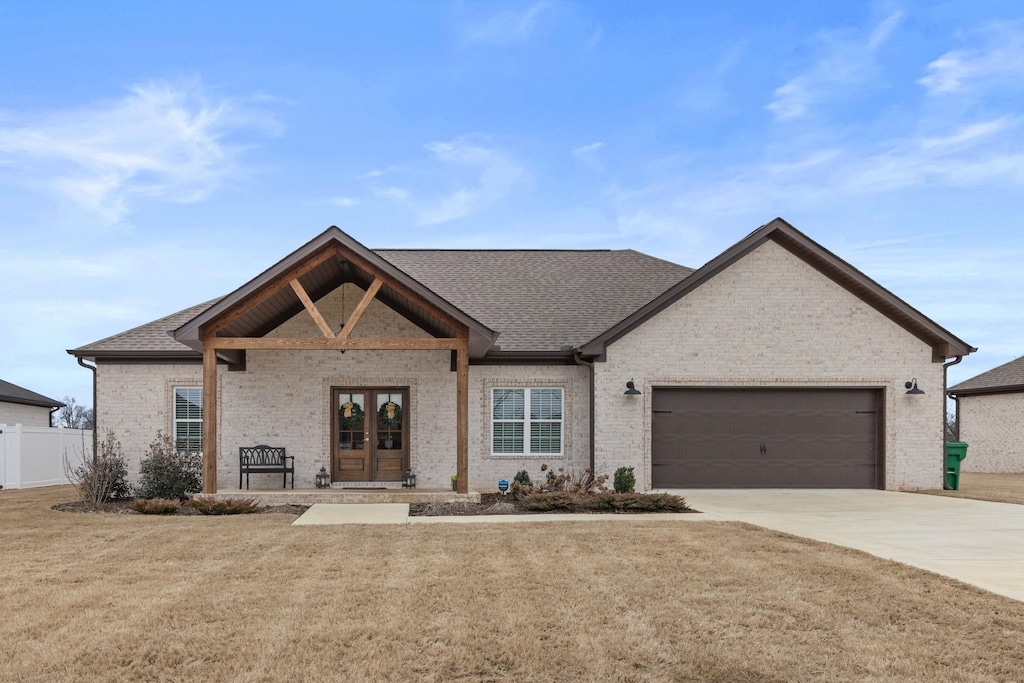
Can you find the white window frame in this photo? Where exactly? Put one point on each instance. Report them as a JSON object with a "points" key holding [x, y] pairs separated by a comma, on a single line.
{"points": [[527, 422], [176, 420]]}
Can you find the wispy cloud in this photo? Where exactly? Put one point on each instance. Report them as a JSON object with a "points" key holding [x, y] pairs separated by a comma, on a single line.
{"points": [[169, 142], [997, 59], [484, 175], [344, 202], [506, 27], [848, 60]]}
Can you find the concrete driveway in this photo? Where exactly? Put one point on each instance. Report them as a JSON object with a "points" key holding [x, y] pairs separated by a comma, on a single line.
{"points": [[977, 542]]}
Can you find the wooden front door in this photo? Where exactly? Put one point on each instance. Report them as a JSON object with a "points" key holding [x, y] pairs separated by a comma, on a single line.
{"points": [[370, 433]]}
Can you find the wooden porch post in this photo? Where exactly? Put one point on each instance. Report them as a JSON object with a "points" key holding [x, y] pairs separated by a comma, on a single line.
{"points": [[462, 420], [209, 418]]}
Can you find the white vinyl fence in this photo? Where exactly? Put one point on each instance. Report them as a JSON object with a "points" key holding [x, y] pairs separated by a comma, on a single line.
{"points": [[34, 456]]}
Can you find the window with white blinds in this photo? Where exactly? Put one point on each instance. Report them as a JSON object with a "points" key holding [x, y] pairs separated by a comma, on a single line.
{"points": [[188, 419], [526, 421]]}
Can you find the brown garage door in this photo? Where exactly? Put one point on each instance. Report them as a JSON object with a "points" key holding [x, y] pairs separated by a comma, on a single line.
{"points": [[766, 438]]}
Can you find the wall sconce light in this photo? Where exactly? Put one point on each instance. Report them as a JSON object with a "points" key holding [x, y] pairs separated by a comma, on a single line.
{"points": [[912, 387], [631, 389]]}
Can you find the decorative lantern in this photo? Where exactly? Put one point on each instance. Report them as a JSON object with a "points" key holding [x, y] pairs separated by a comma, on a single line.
{"points": [[503, 487], [409, 480], [323, 480]]}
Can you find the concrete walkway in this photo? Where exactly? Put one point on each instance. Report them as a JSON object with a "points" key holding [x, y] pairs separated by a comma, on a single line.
{"points": [[977, 542], [354, 513]]}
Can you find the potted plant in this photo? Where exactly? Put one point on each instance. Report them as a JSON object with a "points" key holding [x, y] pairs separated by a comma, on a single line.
{"points": [[455, 482]]}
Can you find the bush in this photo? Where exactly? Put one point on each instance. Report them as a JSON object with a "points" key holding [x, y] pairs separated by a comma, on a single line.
{"points": [[522, 478], [545, 502], [102, 477], [573, 482], [625, 480], [167, 473], [156, 506], [231, 506]]}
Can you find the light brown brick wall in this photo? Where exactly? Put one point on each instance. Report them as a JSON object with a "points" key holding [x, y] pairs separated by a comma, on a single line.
{"points": [[993, 427], [772, 320], [19, 413], [283, 399]]}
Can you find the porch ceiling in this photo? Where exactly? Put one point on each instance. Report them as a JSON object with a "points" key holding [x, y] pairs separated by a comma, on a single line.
{"points": [[325, 263]]}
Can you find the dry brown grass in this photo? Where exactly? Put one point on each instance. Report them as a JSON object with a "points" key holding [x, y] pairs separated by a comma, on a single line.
{"points": [[1000, 488], [251, 598]]}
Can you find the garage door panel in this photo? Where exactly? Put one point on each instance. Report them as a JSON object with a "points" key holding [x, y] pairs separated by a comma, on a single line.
{"points": [[748, 438]]}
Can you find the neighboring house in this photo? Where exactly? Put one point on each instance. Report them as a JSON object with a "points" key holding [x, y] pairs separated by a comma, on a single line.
{"points": [[21, 406], [777, 364], [990, 409]]}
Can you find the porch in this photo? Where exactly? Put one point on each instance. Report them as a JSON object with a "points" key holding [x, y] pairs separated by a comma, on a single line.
{"points": [[267, 497]]}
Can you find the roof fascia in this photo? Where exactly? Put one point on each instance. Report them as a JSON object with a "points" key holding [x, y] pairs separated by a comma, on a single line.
{"points": [[980, 391], [944, 344]]}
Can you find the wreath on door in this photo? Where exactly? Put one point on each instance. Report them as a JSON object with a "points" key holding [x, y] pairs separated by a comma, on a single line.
{"points": [[350, 416], [390, 416]]}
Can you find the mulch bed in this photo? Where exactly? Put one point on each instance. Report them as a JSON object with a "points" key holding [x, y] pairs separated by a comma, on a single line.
{"points": [[120, 507], [498, 504]]}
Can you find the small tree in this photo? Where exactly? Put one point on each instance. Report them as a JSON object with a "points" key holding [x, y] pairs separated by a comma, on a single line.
{"points": [[102, 477], [74, 415], [166, 472]]}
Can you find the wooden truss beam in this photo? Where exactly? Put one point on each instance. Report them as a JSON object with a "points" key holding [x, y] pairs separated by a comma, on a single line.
{"points": [[314, 312], [310, 343], [360, 308]]}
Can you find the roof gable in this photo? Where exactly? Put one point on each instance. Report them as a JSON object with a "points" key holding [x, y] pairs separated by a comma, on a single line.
{"points": [[321, 265], [944, 344]]}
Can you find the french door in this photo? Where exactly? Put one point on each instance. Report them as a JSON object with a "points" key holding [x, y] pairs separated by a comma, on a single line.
{"points": [[370, 433]]}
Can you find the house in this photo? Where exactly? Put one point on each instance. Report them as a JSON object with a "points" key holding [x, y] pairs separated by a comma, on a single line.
{"points": [[21, 406], [990, 411], [776, 364]]}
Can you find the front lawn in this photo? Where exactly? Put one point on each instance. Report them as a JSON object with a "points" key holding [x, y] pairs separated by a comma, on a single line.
{"points": [[251, 598], [999, 488]]}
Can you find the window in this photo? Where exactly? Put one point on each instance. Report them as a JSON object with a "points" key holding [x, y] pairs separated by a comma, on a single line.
{"points": [[526, 422], [188, 419]]}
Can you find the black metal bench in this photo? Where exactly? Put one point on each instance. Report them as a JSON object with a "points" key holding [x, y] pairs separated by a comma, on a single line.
{"points": [[264, 460]]}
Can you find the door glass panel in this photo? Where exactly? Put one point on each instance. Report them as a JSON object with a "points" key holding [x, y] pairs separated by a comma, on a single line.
{"points": [[351, 421], [389, 421]]}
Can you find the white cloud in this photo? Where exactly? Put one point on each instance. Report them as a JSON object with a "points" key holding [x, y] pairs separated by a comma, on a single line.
{"points": [[589, 157], [484, 175], [999, 60], [848, 61], [162, 141], [506, 27], [344, 202]]}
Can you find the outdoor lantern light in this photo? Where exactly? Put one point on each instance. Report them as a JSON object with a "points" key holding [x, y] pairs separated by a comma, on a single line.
{"points": [[631, 389], [323, 480], [912, 387], [408, 480], [503, 487]]}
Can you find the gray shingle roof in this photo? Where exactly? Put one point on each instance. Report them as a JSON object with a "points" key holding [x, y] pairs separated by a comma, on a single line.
{"points": [[12, 393], [1006, 375], [539, 300]]}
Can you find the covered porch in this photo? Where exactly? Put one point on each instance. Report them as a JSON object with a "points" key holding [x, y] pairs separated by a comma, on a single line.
{"points": [[248, 349]]}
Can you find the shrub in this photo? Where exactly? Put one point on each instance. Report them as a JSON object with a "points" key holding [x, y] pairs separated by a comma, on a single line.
{"points": [[102, 477], [522, 478], [545, 502], [625, 480], [573, 482], [638, 502], [231, 506], [167, 473], [156, 506]]}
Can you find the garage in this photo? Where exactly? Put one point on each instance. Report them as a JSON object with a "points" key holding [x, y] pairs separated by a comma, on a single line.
{"points": [[766, 438]]}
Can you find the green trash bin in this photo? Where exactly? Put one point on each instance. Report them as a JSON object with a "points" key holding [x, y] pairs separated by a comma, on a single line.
{"points": [[955, 452]]}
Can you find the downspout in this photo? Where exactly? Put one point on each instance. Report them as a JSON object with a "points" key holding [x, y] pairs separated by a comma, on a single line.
{"points": [[52, 411], [95, 411], [956, 421], [589, 364], [956, 403]]}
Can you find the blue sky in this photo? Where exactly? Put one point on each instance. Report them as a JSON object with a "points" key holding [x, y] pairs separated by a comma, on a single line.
{"points": [[155, 156]]}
